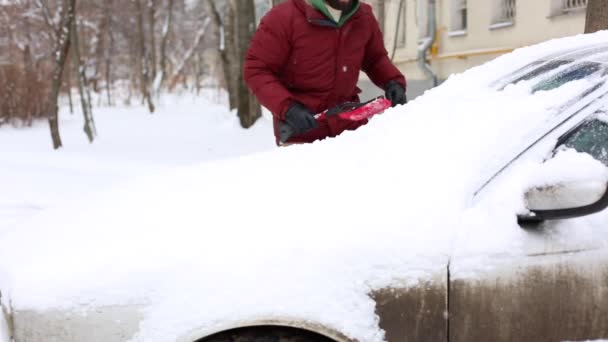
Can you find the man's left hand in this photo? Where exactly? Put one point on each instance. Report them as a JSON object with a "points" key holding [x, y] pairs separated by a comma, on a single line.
{"points": [[395, 93]]}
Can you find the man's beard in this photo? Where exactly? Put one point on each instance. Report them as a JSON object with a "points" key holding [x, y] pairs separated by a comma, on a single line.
{"points": [[340, 5]]}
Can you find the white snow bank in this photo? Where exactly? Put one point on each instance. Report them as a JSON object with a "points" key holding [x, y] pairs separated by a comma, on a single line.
{"points": [[185, 130], [304, 232]]}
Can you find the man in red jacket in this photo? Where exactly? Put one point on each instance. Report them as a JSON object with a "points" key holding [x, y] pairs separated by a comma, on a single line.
{"points": [[306, 57]]}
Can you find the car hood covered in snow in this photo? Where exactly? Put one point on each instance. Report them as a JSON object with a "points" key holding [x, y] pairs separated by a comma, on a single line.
{"points": [[304, 232]]}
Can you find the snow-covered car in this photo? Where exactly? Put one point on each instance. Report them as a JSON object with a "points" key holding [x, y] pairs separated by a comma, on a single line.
{"points": [[474, 213]]}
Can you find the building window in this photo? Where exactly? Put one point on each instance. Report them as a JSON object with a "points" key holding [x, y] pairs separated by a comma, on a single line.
{"points": [[401, 34], [504, 14], [459, 16], [573, 5], [559, 7]]}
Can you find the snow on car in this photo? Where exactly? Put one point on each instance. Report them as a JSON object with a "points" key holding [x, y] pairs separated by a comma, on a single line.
{"points": [[473, 213]]}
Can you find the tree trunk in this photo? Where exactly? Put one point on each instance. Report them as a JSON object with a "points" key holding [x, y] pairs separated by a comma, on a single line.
{"points": [[29, 72], [248, 110], [597, 16], [68, 81], [188, 55], [219, 29], [197, 73], [89, 126], [231, 54], [163, 44], [152, 23], [62, 48], [145, 69], [101, 47], [109, 49]]}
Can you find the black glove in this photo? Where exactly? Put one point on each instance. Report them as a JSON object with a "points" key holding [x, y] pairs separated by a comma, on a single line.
{"points": [[300, 118], [395, 93]]}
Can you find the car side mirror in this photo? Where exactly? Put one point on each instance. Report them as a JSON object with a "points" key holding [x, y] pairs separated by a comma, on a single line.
{"points": [[570, 185], [565, 201]]}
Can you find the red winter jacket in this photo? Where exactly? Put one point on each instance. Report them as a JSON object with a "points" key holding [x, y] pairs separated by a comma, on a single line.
{"points": [[297, 54]]}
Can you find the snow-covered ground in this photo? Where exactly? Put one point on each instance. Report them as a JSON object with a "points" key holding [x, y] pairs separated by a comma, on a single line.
{"points": [[185, 130], [131, 143], [303, 232], [4, 332]]}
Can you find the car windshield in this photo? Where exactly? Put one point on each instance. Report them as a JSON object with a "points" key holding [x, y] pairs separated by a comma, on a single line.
{"points": [[592, 138]]}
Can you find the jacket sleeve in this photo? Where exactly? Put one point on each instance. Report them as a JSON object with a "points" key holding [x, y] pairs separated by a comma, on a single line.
{"points": [[267, 55], [376, 63]]}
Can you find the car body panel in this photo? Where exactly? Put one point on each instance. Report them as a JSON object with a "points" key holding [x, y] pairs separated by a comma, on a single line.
{"points": [[417, 313], [544, 297], [121, 323], [108, 323]]}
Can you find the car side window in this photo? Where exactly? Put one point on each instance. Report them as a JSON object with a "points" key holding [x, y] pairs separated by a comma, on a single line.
{"points": [[574, 73], [591, 137], [530, 71], [541, 70]]}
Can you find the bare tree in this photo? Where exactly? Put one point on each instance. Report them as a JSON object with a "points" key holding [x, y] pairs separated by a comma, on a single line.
{"points": [[62, 47], [85, 98], [152, 24], [188, 55], [232, 54], [248, 109], [597, 16], [109, 46], [30, 74], [143, 55], [164, 41], [115, 47], [224, 31]]}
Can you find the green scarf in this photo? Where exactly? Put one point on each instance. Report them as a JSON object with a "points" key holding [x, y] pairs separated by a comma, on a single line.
{"points": [[321, 6]]}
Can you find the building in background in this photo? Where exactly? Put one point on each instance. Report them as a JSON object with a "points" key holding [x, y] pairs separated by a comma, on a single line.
{"points": [[468, 32]]}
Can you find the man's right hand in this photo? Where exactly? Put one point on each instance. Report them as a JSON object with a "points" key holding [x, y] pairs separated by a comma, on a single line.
{"points": [[396, 93], [300, 118]]}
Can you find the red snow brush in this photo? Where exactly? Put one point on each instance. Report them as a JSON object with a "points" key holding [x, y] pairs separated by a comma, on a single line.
{"points": [[352, 111]]}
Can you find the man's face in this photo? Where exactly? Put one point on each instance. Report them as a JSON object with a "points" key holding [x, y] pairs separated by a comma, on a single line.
{"points": [[342, 5]]}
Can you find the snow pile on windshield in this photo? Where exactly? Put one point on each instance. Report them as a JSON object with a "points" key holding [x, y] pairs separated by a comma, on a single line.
{"points": [[304, 232]]}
